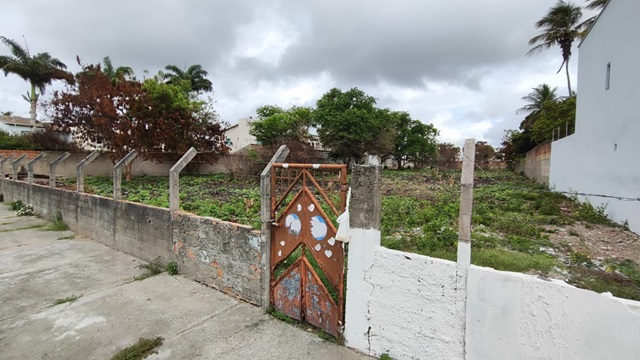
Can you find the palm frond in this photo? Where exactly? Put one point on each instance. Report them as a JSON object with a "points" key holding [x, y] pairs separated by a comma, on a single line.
{"points": [[16, 49]]}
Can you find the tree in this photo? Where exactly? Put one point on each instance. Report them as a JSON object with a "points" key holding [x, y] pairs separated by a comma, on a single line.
{"points": [[149, 117], [414, 141], [351, 125], [515, 144], [593, 5], [194, 75], [484, 152], [276, 125], [448, 155], [116, 74], [561, 26], [39, 70], [6, 113], [553, 116], [536, 100]]}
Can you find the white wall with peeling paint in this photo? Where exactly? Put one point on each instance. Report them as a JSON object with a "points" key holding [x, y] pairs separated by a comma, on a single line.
{"points": [[518, 316], [405, 305]]}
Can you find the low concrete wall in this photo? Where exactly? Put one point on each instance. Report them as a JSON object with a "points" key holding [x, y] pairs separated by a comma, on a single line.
{"points": [[517, 316], [220, 254], [414, 308]]}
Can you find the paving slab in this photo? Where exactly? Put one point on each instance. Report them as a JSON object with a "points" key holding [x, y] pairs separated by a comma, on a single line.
{"points": [[112, 311]]}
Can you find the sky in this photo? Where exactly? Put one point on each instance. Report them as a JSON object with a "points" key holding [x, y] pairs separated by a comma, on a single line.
{"points": [[459, 64]]}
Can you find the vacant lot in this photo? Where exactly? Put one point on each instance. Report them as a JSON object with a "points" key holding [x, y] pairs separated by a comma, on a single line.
{"points": [[517, 225]]}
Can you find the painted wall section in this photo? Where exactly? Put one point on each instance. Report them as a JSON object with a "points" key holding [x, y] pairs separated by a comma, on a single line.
{"points": [[223, 255], [602, 156], [518, 316]]}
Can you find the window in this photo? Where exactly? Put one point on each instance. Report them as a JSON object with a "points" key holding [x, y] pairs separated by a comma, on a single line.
{"points": [[608, 82]]}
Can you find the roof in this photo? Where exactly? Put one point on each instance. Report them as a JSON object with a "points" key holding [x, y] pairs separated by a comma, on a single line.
{"points": [[594, 22], [19, 121]]}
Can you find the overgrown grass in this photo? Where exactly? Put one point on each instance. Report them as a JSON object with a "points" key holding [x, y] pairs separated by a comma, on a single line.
{"points": [[57, 224], [140, 350]]}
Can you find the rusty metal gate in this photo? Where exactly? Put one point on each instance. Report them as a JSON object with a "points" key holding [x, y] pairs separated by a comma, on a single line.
{"points": [[307, 263]]}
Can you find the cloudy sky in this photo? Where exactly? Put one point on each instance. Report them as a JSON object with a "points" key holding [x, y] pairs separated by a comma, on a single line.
{"points": [[458, 64]]}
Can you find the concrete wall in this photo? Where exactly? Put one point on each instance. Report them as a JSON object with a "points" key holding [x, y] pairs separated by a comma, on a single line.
{"points": [[601, 157], [536, 165], [103, 165], [517, 316], [220, 254]]}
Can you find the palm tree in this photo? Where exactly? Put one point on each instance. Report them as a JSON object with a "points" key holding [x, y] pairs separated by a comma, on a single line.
{"points": [[561, 27], [115, 73], [538, 97], [39, 70], [195, 75], [593, 5]]}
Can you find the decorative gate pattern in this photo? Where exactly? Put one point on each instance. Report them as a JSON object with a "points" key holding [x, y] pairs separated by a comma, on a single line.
{"points": [[307, 263]]}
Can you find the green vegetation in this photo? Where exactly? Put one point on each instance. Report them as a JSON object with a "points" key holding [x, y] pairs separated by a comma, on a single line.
{"points": [[152, 268], [385, 357], [16, 205], [172, 268], [69, 299], [140, 350], [57, 224], [21, 209]]}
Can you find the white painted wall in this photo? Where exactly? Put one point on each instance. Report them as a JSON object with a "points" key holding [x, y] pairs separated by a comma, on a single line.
{"points": [[240, 136], [407, 306], [517, 316], [602, 156]]}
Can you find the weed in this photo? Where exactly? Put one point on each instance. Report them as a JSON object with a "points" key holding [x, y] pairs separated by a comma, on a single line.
{"points": [[57, 224], [140, 350], [172, 268], [152, 268], [385, 357], [595, 215], [281, 316], [16, 205], [573, 233], [580, 259], [68, 237], [26, 210], [69, 299]]}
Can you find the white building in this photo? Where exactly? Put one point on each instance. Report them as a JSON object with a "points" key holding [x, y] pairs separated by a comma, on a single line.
{"points": [[602, 156], [15, 125], [238, 135]]}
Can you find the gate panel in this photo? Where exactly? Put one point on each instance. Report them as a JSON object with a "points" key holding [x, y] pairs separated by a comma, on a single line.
{"points": [[311, 289]]}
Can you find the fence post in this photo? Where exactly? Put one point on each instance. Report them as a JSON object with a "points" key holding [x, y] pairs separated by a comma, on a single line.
{"points": [[466, 203], [174, 180], [80, 170], [364, 218], [52, 168], [14, 167], [566, 129], [117, 173], [30, 165], [4, 159], [265, 218]]}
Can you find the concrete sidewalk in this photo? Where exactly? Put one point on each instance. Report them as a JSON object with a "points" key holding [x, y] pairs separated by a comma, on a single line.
{"points": [[39, 267]]}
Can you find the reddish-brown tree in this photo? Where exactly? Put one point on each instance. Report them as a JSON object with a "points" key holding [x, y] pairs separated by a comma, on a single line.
{"points": [[149, 117]]}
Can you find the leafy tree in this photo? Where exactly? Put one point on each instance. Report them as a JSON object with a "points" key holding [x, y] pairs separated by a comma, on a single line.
{"points": [[150, 117], [195, 76], [484, 152], [116, 74], [351, 125], [39, 70], [561, 26], [536, 100], [515, 144], [553, 116], [276, 125], [414, 141], [448, 155]]}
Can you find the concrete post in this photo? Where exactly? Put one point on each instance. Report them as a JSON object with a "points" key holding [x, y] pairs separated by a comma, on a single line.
{"points": [[4, 160], [117, 173], [52, 168], [14, 167], [265, 218], [365, 239], [466, 203], [30, 165], [80, 170], [174, 180]]}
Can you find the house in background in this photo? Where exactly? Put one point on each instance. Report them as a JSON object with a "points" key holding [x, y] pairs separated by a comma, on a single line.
{"points": [[16, 125], [602, 156], [238, 135]]}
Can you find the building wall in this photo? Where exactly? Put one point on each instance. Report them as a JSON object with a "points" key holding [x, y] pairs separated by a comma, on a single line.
{"points": [[601, 157], [518, 316], [537, 163], [240, 136], [14, 130], [220, 254]]}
